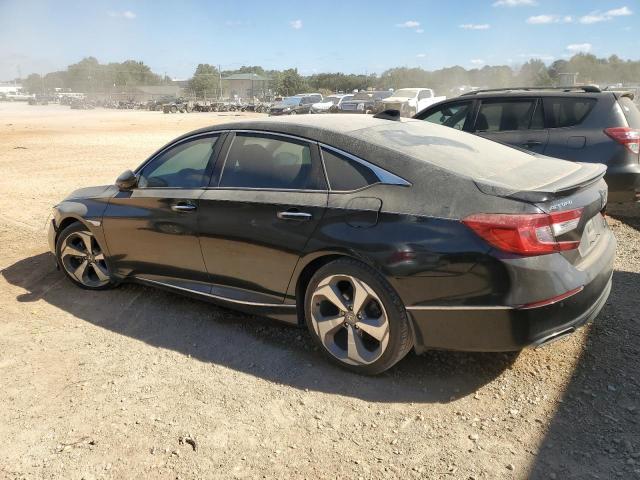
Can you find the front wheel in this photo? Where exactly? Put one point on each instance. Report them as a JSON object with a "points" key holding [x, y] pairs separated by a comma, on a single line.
{"points": [[82, 258], [356, 317]]}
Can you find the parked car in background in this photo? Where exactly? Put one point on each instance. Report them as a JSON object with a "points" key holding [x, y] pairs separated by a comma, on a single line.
{"points": [[157, 104], [330, 104], [381, 236], [295, 105], [365, 102], [410, 101], [18, 96], [316, 97], [582, 124], [178, 105]]}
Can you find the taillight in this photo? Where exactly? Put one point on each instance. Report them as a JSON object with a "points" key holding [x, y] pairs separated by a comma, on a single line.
{"points": [[526, 234], [629, 137]]}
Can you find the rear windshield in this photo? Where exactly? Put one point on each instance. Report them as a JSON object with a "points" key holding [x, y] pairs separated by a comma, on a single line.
{"points": [[567, 112], [630, 111]]}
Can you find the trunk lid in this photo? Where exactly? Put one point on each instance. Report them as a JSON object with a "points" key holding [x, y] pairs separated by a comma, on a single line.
{"points": [[583, 189]]}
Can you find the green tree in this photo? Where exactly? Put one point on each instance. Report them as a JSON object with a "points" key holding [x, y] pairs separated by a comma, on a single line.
{"points": [[289, 82], [205, 81]]}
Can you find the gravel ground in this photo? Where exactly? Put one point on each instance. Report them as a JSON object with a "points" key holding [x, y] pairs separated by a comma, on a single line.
{"points": [[140, 383]]}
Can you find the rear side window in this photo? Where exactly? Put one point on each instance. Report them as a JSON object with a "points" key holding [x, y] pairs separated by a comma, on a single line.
{"points": [[630, 111], [498, 116], [567, 112], [346, 174], [264, 161]]}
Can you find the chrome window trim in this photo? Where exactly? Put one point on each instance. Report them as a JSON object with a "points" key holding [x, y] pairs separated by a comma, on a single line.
{"points": [[385, 177]]}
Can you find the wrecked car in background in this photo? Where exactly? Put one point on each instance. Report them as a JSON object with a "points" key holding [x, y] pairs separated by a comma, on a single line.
{"points": [[330, 103], [410, 101], [365, 102]]}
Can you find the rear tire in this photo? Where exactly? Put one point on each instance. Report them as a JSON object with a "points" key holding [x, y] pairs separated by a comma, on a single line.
{"points": [[356, 317]]}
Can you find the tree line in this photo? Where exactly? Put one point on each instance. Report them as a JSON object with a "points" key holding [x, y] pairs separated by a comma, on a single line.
{"points": [[89, 75]]}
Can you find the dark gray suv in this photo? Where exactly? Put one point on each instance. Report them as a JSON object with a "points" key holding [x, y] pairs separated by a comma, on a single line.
{"points": [[581, 124]]}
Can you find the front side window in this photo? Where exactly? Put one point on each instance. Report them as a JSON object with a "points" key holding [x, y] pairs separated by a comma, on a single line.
{"points": [[424, 94], [498, 116], [346, 174], [183, 166], [265, 161], [453, 115]]}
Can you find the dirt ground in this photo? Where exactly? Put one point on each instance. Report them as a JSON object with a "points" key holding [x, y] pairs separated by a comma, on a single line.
{"points": [[140, 383]]}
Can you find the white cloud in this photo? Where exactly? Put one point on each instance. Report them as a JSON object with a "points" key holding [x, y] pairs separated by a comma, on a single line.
{"points": [[128, 14], [477, 61], [408, 24], [598, 16], [296, 24], [475, 26], [515, 3], [579, 47], [546, 19], [421, 55]]}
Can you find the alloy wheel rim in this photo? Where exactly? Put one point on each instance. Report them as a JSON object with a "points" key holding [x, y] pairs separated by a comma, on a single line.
{"points": [[350, 320], [84, 260]]}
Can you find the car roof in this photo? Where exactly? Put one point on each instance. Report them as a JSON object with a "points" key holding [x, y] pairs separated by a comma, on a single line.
{"points": [[398, 145], [577, 91]]}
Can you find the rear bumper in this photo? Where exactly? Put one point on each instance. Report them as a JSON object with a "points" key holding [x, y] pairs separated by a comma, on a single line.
{"points": [[504, 328], [623, 182]]}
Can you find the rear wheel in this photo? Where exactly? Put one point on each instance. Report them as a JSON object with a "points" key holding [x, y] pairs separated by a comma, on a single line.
{"points": [[174, 109], [82, 258], [356, 317]]}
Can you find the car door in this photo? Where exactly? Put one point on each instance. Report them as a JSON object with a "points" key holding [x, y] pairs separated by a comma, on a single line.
{"points": [[518, 122], [456, 114], [151, 231], [265, 201]]}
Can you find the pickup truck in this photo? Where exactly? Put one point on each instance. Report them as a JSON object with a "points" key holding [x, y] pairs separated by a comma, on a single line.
{"points": [[411, 100]]}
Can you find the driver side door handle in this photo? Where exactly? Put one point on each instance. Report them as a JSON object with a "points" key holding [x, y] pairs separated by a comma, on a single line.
{"points": [[183, 207]]}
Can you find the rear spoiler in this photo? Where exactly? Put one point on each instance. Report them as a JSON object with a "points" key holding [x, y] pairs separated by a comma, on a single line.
{"points": [[588, 175]]}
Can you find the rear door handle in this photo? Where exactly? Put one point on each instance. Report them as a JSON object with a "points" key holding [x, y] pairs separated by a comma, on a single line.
{"points": [[183, 207], [532, 143], [294, 215]]}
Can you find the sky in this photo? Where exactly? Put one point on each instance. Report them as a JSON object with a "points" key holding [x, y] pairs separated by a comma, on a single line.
{"points": [[38, 36]]}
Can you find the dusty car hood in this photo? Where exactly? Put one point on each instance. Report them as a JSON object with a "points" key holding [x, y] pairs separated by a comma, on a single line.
{"points": [[93, 192]]}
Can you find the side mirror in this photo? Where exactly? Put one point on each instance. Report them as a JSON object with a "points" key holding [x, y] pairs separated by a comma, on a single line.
{"points": [[126, 181]]}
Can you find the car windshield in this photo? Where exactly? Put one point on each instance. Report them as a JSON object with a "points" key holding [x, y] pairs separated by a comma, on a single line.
{"points": [[362, 96], [381, 95], [405, 93], [333, 100], [292, 100]]}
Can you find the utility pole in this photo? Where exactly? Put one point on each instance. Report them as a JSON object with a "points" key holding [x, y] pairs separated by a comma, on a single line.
{"points": [[219, 82]]}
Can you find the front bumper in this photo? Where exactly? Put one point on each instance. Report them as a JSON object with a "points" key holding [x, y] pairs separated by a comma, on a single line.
{"points": [[51, 236]]}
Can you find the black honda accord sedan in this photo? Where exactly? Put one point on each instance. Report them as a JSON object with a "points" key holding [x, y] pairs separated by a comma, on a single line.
{"points": [[380, 235]]}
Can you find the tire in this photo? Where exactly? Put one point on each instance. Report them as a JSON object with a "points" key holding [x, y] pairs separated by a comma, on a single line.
{"points": [[174, 109], [293, 112], [335, 329], [76, 246]]}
